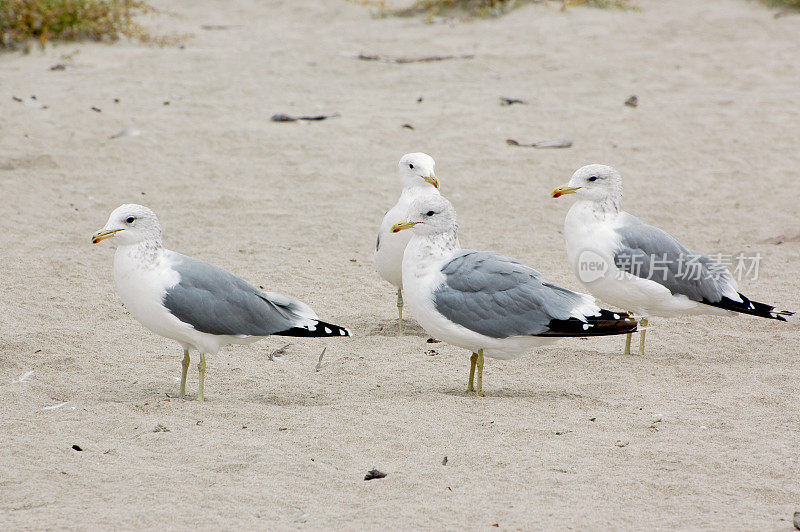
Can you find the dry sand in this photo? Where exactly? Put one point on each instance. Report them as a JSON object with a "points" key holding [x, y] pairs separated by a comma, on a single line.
{"points": [[565, 438]]}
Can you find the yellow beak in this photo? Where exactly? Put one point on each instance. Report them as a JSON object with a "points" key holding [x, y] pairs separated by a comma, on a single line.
{"points": [[432, 180], [563, 189], [103, 234], [405, 224]]}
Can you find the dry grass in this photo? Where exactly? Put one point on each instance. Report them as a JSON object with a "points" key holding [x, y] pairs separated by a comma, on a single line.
{"points": [[26, 21], [478, 8], [792, 4], [602, 4]]}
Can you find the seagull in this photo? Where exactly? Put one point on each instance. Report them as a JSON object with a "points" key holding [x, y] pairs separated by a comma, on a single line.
{"points": [[417, 179], [199, 305], [484, 302], [638, 267]]}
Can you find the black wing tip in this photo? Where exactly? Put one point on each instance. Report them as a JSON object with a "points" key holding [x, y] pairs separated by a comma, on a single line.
{"points": [[319, 329], [752, 308], [606, 323]]}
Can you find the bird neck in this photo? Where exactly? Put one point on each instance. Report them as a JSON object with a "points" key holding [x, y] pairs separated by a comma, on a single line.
{"points": [[604, 208], [415, 187], [145, 252], [434, 247]]}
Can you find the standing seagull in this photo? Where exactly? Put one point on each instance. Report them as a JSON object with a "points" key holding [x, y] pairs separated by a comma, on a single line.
{"points": [[484, 302], [417, 179], [197, 304], [638, 267]]}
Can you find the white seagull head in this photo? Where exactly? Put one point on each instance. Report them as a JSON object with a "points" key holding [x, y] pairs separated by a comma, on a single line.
{"points": [[416, 169], [130, 224], [429, 215], [594, 182]]}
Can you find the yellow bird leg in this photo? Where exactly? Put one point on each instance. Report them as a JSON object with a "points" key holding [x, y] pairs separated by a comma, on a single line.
{"points": [[642, 332], [628, 344], [184, 371], [400, 310], [201, 368], [479, 364], [472, 360]]}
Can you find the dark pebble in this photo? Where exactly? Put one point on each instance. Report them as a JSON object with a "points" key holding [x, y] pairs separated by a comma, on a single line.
{"points": [[374, 473]]}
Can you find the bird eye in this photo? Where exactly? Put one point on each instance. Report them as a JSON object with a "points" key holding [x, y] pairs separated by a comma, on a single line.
{"points": [[130, 220], [429, 213], [593, 178], [411, 166]]}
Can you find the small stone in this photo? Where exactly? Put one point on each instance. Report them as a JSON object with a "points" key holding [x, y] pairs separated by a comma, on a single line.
{"points": [[632, 101], [374, 473], [620, 443], [796, 520], [444, 461], [77, 447]]}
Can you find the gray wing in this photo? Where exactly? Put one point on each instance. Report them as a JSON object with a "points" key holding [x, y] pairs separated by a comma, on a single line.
{"points": [[499, 297], [215, 301], [650, 253]]}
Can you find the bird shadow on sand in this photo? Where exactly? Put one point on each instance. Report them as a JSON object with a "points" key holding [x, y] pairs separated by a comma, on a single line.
{"points": [[390, 328], [535, 394], [291, 399]]}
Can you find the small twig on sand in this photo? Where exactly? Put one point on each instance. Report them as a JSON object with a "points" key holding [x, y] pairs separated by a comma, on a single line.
{"points": [[280, 117], [404, 60], [510, 101], [319, 362], [278, 353], [543, 144]]}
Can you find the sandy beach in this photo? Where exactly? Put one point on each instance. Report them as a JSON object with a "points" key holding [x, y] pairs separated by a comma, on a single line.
{"points": [[702, 432]]}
